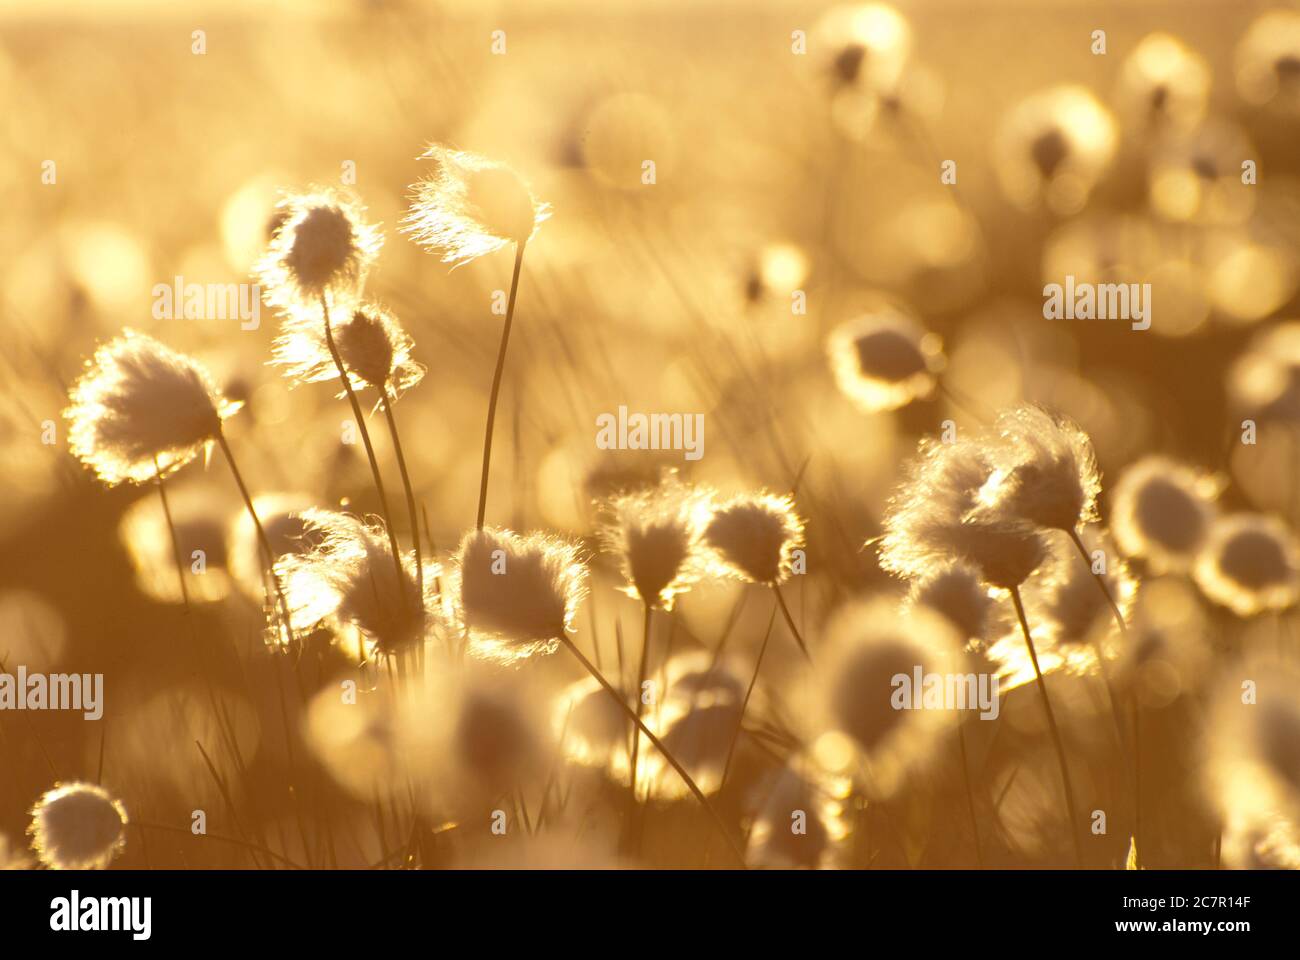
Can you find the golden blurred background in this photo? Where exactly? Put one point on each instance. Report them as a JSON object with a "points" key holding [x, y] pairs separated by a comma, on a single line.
{"points": [[779, 173]]}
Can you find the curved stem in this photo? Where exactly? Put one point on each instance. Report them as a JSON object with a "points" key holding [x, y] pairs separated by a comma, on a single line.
{"points": [[496, 385], [789, 621], [1057, 742], [365, 439], [658, 745], [267, 553]]}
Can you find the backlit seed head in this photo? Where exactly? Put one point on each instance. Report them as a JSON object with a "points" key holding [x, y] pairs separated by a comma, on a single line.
{"points": [[77, 826], [517, 594], [1249, 563], [1044, 472], [374, 349], [658, 536], [869, 644], [323, 248], [932, 519], [1161, 512], [348, 581], [470, 206], [957, 593], [754, 537], [884, 360], [139, 402]]}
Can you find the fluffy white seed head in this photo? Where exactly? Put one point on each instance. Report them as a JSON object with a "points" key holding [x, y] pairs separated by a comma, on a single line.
{"points": [[658, 537], [753, 537], [138, 402], [516, 593], [375, 350], [347, 579], [322, 248], [77, 826], [470, 206]]}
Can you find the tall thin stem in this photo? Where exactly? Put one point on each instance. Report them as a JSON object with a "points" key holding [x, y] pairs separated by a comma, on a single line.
{"points": [[171, 530], [658, 745], [267, 553], [744, 704], [406, 486], [789, 621], [1101, 581], [1057, 742], [640, 703], [1110, 691], [496, 384], [970, 793], [365, 439]]}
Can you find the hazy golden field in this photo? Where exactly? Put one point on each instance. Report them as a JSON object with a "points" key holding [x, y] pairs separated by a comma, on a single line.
{"points": [[836, 253]]}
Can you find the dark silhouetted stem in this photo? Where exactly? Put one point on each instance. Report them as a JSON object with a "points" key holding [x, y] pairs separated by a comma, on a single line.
{"points": [[496, 385], [789, 621], [658, 745], [1057, 742], [365, 439], [263, 542]]}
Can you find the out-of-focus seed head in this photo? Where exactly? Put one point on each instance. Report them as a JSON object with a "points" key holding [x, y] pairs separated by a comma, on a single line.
{"points": [[77, 826]]}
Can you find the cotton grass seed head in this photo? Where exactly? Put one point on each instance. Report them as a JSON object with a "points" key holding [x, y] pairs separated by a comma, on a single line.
{"points": [[884, 360], [1161, 512], [869, 731], [323, 248], [1044, 472], [754, 537], [375, 350], [517, 594], [799, 785], [1053, 147], [697, 721], [956, 592], [1249, 563], [1066, 597], [932, 520], [348, 580], [1252, 745], [139, 402], [658, 537], [281, 516], [77, 826], [470, 206], [592, 728]]}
